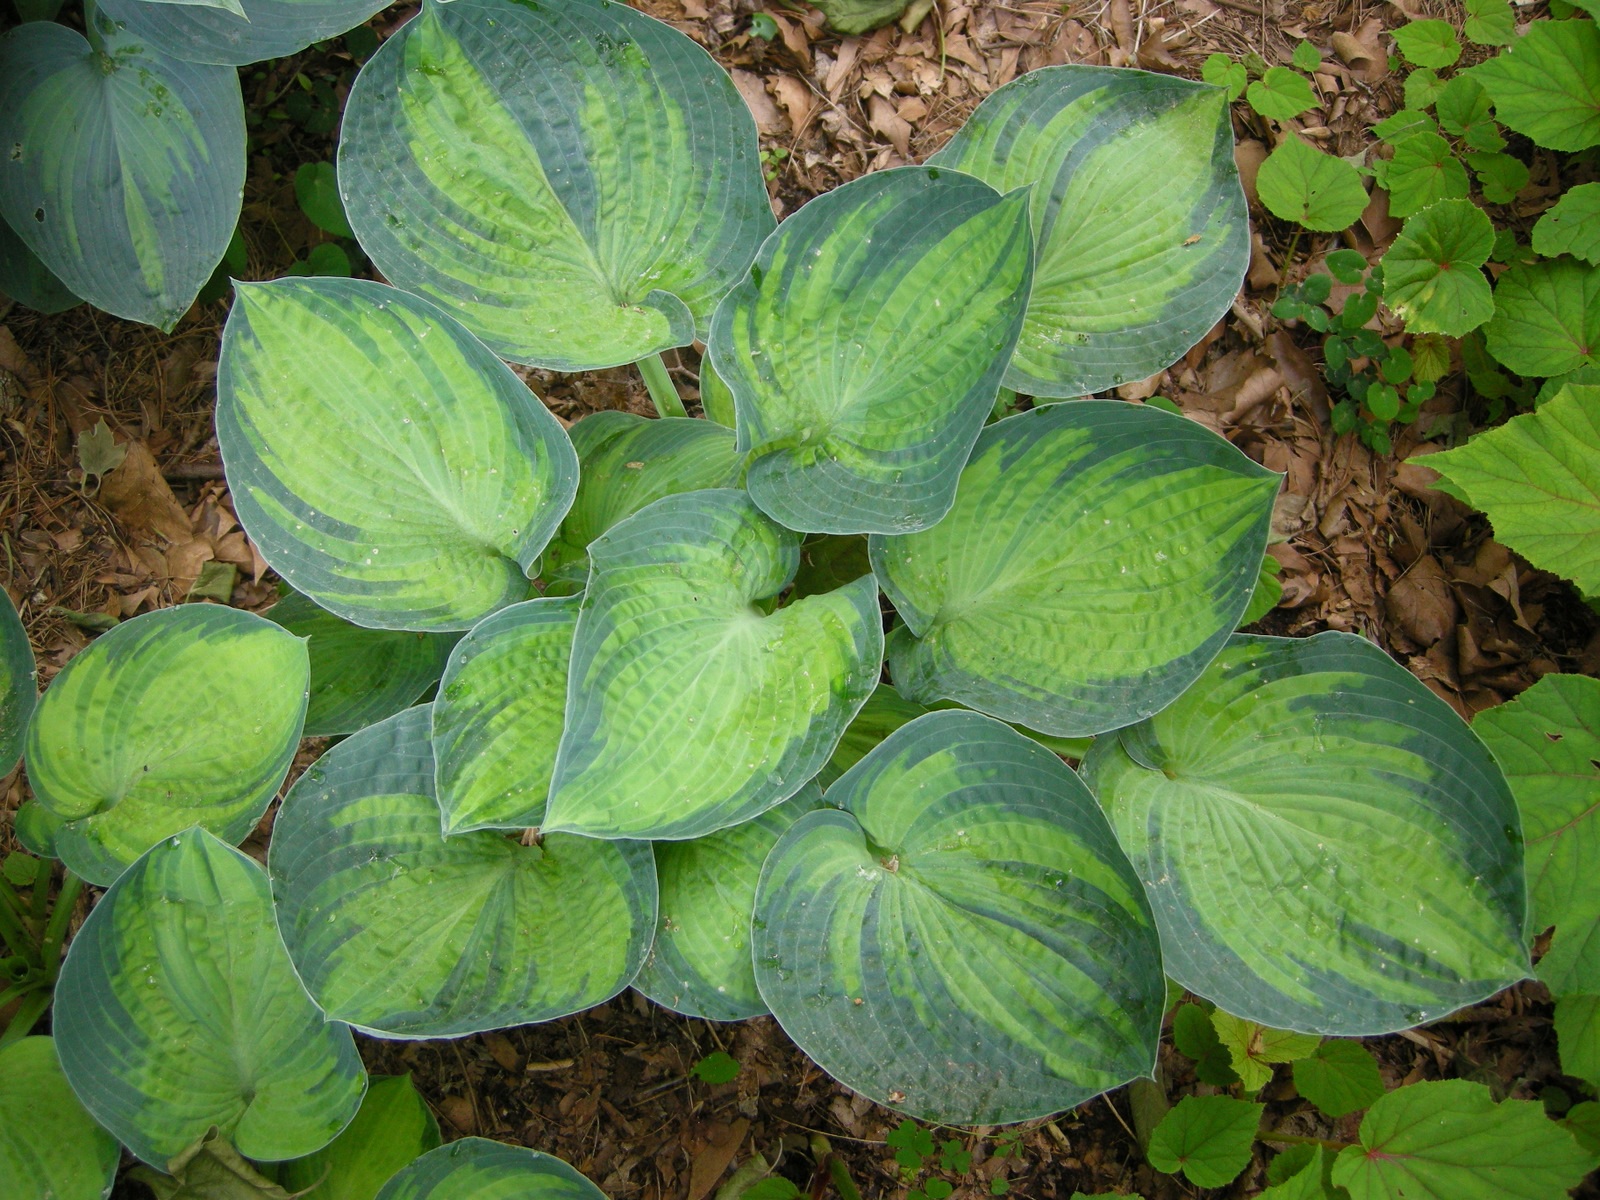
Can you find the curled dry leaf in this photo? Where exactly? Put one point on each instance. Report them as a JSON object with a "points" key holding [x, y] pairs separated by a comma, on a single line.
{"points": [[1422, 603]]}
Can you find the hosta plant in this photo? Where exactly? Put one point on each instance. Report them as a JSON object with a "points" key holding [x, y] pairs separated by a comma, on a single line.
{"points": [[662, 748]]}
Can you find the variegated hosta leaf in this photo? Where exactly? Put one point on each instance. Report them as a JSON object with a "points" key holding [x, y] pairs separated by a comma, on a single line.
{"points": [[401, 480], [497, 720], [122, 169], [359, 676], [49, 1146], [1328, 847], [1138, 217], [178, 1010], [577, 183], [205, 31], [885, 711], [865, 347], [478, 1169], [27, 280], [19, 683], [184, 716], [406, 933], [965, 942], [626, 462], [700, 964], [688, 709], [1097, 557]]}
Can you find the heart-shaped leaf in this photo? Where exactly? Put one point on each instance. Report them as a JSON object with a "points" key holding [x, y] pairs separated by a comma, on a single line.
{"points": [[1326, 845], [1310, 188], [393, 1127], [866, 345], [178, 1010], [1428, 43], [400, 931], [184, 716], [700, 964], [1572, 226], [1546, 317], [688, 709], [359, 676], [1281, 94], [1208, 1138], [1490, 23], [625, 463], [399, 479], [1546, 84], [19, 683], [965, 942], [1340, 1077], [884, 712], [26, 279], [1136, 530], [122, 168], [1577, 1026], [577, 183], [497, 721], [1432, 273], [1139, 222], [49, 1146], [209, 31], [478, 1169], [1423, 171]]}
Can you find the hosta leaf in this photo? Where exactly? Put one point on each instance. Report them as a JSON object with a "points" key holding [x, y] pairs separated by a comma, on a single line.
{"points": [[687, 709], [884, 712], [178, 1010], [1546, 317], [1547, 741], [625, 463], [27, 280], [1429, 43], [1546, 84], [1310, 188], [122, 170], [866, 346], [1449, 1140], [359, 676], [1423, 171], [1432, 272], [261, 29], [497, 721], [1326, 845], [959, 833], [393, 1127], [478, 1169], [1281, 94], [577, 183], [1577, 1022], [1572, 226], [1135, 529], [400, 480], [1139, 222], [1339, 1077], [49, 1146], [1208, 1138], [19, 683], [1537, 478], [409, 934], [700, 964], [184, 716]]}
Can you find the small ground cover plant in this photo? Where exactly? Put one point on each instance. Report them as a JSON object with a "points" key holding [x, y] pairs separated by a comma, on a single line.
{"points": [[662, 754]]}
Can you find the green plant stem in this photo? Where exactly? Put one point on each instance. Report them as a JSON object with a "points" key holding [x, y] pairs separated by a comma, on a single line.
{"points": [[667, 401], [56, 931], [1300, 1140], [16, 937], [32, 1008]]}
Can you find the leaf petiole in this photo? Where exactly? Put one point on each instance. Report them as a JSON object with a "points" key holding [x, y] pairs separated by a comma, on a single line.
{"points": [[667, 401]]}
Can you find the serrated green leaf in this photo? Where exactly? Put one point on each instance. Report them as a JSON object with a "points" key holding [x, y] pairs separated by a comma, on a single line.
{"points": [[717, 1067], [578, 184], [19, 683], [1429, 43], [1499, 175], [1339, 1077], [1577, 1023], [958, 832], [1301, 184], [866, 346], [261, 30], [1281, 94], [123, 169], [1039, 540], [497, 720], [409, 934], [1463, 107], [393, 1126], [25, 279], [1423, 88], [103, 755], [49, 1146], [1253, 1047], [1208, 1138], [1301, 1173], [1326, 845], [1546, 84], [381, 458], [1424, 171], [1547, 317], [1403, 124], [767, 697], [1128, 169], [1194, 1036], [1221, 71], [1433, 277], [1490, 23], [1306, 56], [178, 1010], [316, 190], [625, 463], [1583, 1122], [478, 1169], [1449, 1140], [700, 964], [1572, 225]]}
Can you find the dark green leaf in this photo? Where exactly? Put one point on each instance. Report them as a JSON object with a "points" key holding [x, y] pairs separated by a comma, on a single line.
{"points": [[1339, 1077], [1208, 1138], [1428, 43], [1546, 84], [716, 1067], [317, 192]]}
